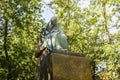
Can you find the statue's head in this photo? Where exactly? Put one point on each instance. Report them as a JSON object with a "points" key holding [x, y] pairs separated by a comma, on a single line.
{"points": [[54, 20]]}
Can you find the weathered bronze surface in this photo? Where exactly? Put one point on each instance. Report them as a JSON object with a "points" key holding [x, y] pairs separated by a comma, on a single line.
{"points": [[70, 67]]}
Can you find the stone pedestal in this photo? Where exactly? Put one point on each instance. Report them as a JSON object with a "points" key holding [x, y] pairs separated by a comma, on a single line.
{"points": [[70, 67]]}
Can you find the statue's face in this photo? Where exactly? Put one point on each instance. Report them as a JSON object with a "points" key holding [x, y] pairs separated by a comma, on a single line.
{"points": [[54, 22]]}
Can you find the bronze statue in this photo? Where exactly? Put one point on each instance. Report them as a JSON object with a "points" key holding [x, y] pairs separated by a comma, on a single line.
{"points": [[51, 38]]}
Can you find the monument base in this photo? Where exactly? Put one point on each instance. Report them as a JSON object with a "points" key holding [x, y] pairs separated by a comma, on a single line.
{"points": [[70, 66]]}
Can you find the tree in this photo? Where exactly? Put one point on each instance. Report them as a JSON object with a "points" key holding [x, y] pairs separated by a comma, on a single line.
{"points": [[21, 21]]}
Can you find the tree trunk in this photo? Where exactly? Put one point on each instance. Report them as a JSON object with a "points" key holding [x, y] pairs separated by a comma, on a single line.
{"points": [[105, 24], [1, 30], [6, 50]]}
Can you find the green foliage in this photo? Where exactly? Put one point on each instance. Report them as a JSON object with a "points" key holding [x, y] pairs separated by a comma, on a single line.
{"points": [[23, 19]]}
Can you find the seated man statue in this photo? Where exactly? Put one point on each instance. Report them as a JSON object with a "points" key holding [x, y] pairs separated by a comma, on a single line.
{"points": [[54, 36], [51, 38]]}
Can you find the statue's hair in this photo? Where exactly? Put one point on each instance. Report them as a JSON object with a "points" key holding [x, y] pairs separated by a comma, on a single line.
{"points": [[53, 18]]}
